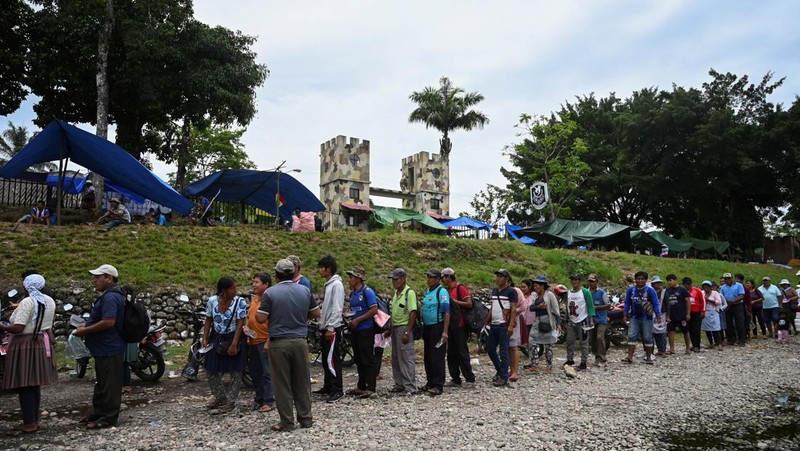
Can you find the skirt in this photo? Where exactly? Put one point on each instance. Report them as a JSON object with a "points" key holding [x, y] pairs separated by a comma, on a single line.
{"points": [[27, 363], [711, 323], [542, 338], [216, 363]]}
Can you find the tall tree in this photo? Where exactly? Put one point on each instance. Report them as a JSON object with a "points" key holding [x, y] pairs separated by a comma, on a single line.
{"points": [[213, 149], [447, 108], [14, 37], [490, 205]]}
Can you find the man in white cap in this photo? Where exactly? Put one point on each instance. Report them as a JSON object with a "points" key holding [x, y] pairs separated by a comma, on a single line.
{"points": [[102, 332], [733, 292], [115, 215], [789, 303]]}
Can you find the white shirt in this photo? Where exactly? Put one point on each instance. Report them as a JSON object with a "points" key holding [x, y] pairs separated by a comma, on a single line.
{"points": [[577, 300], [23, 314]]}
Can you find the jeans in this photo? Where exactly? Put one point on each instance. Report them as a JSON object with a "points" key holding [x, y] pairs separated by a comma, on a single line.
{"points": [[258, 362], [112, 222], [458, 355], [498, 335], [643, 327], [736, 326], [661, 341]]}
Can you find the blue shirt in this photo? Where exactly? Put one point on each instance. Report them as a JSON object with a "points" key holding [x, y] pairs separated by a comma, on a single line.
{"points": [[634, 298], [730, 292], [770, 295], [435, 304], [361, 301], [110, 305], [303, 280], [222, 322], [599, 297]]}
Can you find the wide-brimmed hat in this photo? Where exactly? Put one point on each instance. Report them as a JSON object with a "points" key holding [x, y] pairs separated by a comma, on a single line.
{"points": [[785, 282], [542, 280], [359, 272], [114, 200], [656, 279], [707, 282]]}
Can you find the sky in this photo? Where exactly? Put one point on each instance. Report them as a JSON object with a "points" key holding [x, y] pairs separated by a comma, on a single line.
{"points": [[348, 67]]}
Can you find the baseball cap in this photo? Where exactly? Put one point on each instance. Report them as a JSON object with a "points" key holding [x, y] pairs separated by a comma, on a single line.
{"points": [[398, 273], [574, 276], [448, 272], [295, 260], [114, 199], [284, 266], [104, 269], [766, 278], [503, 272], [433, 272], [592, 278], [359, 272], [727, 275]]}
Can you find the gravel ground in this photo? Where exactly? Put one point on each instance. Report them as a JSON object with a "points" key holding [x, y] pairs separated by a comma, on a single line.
{"points": [[712, 400]]}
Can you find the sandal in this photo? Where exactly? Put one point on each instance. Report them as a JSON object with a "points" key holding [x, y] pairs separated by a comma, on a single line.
{"points": [[19, 430], [88, 419], [513, 378], [280, 427], [626, 360], [98, 425], [265, 408], [215, 404]]}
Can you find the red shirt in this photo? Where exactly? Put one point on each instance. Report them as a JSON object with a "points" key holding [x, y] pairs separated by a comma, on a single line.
{"points": [[698, 301], [459, 291]]}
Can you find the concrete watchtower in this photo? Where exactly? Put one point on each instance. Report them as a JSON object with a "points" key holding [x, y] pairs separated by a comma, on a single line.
{"points": [[427, 177], [344, 179]]}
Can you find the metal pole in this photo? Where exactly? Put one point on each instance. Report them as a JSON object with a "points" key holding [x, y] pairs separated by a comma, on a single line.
{"points": [[278, 193]]}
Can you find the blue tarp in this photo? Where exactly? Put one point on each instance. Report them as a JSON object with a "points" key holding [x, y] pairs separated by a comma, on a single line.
{"points": [[257, 188], [512, 229], [467, 222], [61, 140], [73, 184]]}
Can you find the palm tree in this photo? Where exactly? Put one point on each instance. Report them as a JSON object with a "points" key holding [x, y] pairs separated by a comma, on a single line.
{"points": [[446, 109], [13, 139]]}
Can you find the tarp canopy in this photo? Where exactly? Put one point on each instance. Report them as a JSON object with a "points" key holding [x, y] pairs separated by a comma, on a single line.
{"points": [[707, 245], [643, 240], [512, 231], [467, 222], [580, 232], [673, 244], [257, 188], [75, 181], [60, 140], [390, 215]]}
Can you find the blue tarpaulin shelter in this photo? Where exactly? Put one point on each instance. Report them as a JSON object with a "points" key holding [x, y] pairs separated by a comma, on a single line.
{"points": [[257, 188], [60, 141], [512, 231], [465, 221]]}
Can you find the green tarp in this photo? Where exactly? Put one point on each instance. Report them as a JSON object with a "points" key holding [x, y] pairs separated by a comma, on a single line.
{"points": [[673, 244], [389, 215], [580, 232], [643, 240], [720, 247]]}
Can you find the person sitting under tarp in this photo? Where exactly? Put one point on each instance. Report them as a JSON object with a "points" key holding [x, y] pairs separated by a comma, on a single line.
{"points": [[39, 215], [115, 215]]}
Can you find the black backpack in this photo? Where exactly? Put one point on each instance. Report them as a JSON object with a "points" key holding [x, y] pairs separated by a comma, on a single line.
{"points": [[136, 322]]}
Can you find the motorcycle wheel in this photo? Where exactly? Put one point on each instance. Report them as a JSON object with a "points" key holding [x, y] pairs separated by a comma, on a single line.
{"points": [[346, 351], [150, 366], [81, 366], [247, 379], [483, 339]]}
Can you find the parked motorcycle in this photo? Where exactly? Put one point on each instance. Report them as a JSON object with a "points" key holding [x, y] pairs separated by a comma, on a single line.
{"points": [[314, 340], [617, 331]]}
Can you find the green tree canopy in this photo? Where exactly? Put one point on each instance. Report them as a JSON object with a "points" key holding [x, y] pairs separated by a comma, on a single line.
{"points": [[213, 149]]}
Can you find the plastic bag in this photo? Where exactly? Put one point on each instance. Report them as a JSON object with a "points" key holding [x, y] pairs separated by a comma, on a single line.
{"points": [[76, 348]]}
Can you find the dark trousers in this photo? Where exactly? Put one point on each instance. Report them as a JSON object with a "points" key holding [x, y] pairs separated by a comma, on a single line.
{"points": [[29, 400], [432, 356], [332, 362], [258, 363], [714, 338], [458, 355], [107, 396], [363, 342], [695, 321], [736, 327], [288, 359], [378, 359], [758, 320]]}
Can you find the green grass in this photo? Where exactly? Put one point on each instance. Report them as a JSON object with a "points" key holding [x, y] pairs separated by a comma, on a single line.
{"points": [[193, 258]]}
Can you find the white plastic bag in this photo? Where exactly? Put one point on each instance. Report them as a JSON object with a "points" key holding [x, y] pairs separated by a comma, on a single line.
{"points": [[76, 348]]}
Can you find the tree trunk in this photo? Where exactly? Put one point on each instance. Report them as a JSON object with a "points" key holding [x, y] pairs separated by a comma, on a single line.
{"points": [[445, 146], [183, 155], [103, 44]]}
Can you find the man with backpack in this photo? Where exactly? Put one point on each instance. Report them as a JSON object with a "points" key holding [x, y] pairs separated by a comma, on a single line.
{"points": [[404, 316], [102, 332], [435, 312], [458, 360], [580, 310], [363, 307]]}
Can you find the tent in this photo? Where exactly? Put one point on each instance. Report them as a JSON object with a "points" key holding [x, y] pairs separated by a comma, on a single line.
{"points": [[389, 215], [257, 188], [707, 245], [74, 183], [608, 234], [512, 230], [673, 244], [465, 221], [643, 240], [60, 140]]}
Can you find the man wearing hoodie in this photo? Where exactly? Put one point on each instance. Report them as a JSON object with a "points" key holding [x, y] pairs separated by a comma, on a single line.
{"points": [[330, 326]]}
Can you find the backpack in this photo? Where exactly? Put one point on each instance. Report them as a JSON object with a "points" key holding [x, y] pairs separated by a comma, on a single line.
{"points": [[383, 305], [136, 322], [475, 318], [456, 311]]}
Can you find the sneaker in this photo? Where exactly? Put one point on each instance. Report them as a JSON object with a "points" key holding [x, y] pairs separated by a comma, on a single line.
{"points": [[582, 366], [500, 383], [424, 388], [569, 362], [469, 385], [435, 391], [322, 391], [397, 389], [356, 392], [451, 384], [367, 394], [335, 396]]}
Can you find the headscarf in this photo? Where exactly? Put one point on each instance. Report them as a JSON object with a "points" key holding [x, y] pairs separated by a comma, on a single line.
{"points": [[33, 284]]}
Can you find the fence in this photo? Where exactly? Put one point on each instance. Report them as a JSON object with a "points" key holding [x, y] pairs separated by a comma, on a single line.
{"points": [[30, 188]]}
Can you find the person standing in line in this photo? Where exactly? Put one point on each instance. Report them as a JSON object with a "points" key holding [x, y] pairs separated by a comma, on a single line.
{"points": [[502, 319], [257, 358], [772, 298], [544, 330], [435, 313], [404, 315], [580, 312], [286, 307], [697, 311], [297, 277], [660, 328], [363, 306], [331, 326], [597, 336], [757, 301], [641, 304], [678, 307], [102, 332], [789, 304], [733, 292], [458, 360], [711, 324], [748, 305]]}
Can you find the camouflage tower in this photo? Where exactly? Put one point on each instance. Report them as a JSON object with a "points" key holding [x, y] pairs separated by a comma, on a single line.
{"points": [[344, 179], [427, 178]]}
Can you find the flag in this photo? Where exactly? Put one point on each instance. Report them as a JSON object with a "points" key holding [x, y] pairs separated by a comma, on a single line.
{"points": [[280, 201]]}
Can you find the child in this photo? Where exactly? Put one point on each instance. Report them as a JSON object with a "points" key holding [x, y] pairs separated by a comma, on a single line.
{"points": [[783, 329]]}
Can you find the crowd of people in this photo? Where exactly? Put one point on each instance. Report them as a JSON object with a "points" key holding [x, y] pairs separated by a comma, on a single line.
{"points": [[268, 333]]}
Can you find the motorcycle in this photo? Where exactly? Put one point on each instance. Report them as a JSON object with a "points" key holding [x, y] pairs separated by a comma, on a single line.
{"points": [[314, 341], [617, 330]]}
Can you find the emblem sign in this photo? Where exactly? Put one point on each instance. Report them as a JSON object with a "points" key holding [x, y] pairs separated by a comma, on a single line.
{"points": [[539, 195]]}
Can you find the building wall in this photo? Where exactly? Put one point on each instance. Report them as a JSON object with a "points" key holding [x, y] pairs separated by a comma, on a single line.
{"points": [[426, 176], [344, 166]]}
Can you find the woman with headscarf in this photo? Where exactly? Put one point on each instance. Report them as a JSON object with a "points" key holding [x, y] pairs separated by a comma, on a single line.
{"points": [[31, 355], [544, 330], [711, 323]]}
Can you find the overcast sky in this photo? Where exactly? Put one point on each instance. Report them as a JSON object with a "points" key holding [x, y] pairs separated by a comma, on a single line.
{"points": [[347, 68]]}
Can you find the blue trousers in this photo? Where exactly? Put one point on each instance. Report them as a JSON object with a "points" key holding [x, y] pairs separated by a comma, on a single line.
{"points": [[498, 335], [258, 363]]}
